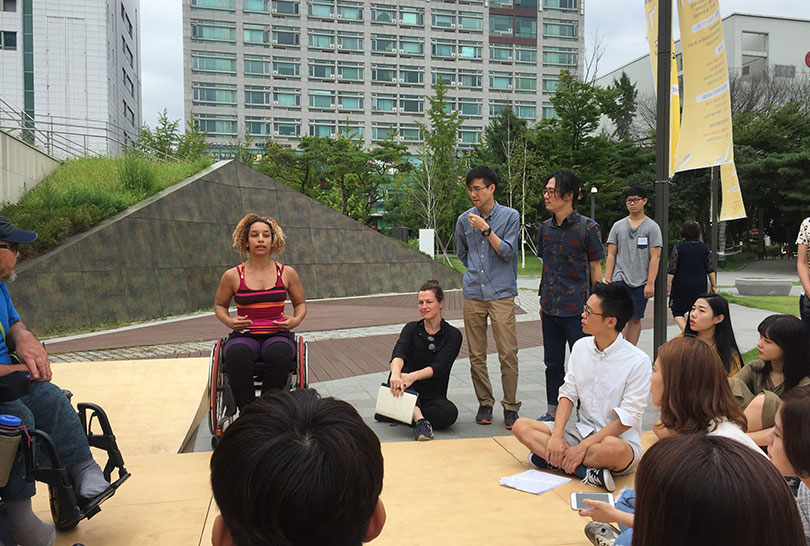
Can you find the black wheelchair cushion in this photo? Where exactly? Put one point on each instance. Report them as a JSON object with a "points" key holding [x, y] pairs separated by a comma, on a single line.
{"points": [[14, 385]]}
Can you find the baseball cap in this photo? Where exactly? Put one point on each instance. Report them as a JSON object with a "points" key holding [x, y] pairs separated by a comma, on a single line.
{"points": [[14, 235]]}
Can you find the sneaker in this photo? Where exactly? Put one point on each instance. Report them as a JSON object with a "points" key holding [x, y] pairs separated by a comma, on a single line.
{"points": [[599, 477], [422, 431], [601, 534], [541, 463], [484, 415], [546, 418], [509, 418]]}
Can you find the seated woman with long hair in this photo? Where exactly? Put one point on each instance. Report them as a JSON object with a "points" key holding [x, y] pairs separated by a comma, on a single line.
{"points": [[710, 320], [784, 363], [703, 490], [690, 387], [261, 332], [789, 447]]}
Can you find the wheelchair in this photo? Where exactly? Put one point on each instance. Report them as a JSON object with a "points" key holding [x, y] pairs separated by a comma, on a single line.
{"points": [[67, 507], [222, 410]]}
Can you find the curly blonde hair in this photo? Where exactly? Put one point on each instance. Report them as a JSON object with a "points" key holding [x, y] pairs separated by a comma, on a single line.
{"points": [[242, 232]]}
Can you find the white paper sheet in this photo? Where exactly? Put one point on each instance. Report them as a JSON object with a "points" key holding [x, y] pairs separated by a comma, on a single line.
{"points": [[534, 481]]}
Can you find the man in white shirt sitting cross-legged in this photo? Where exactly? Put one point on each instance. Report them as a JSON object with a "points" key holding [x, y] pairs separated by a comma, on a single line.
{"points": [[610, 378]]}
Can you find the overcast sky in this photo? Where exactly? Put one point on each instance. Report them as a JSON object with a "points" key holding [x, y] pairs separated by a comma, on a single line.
{"points": [[620, 24]]}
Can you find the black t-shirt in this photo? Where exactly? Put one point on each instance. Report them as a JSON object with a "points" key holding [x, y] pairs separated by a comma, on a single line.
{"points": [[413, 347]]}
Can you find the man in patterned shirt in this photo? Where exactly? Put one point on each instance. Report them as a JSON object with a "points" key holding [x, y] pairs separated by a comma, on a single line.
{"points": [[570, 246]]}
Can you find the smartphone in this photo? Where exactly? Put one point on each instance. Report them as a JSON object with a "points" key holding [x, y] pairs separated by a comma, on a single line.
{"points": [[577, 498]]}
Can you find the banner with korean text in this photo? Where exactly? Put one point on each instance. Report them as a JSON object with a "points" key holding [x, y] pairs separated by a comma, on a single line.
{"points": [[706, 138], [732, 206], [651, 12]]}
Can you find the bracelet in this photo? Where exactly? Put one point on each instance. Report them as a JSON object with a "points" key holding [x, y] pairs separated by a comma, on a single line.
{"points": [[486, 232]]}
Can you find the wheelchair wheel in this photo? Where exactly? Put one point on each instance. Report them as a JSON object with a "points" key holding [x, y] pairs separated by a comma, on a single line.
{"points": [[213, 384], [222, 406], [301, 371]]}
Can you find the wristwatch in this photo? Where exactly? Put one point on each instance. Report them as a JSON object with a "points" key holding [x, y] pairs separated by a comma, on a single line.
{"points": [[486, 232]]}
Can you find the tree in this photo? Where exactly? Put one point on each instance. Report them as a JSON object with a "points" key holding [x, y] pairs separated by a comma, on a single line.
{"points": [[503, 148], [618, 102], [577, 106], [166, 142], [295, 169]]}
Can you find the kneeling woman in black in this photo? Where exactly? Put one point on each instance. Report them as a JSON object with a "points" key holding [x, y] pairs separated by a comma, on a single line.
{"points": [[261, 330], [422, 360]]}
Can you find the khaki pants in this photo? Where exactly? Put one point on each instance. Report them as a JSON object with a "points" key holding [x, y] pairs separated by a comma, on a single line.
{"points": [[501, 313]]}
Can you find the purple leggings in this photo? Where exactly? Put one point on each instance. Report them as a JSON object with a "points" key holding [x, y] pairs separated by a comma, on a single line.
{"points": [[241, 351]]}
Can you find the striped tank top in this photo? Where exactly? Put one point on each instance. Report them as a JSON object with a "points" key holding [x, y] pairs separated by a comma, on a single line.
{"points": [[261, 307]]}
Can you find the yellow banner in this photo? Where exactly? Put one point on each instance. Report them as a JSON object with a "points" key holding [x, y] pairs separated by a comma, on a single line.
{"points": [[651, 12], [706, 129], [732, 206]]}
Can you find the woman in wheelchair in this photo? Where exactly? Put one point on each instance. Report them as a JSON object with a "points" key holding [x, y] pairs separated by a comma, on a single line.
{"points": [[422, 359], [261, 332]]}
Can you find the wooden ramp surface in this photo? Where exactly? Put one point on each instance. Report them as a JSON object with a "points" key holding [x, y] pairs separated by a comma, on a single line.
{"points": [[435, 493]]}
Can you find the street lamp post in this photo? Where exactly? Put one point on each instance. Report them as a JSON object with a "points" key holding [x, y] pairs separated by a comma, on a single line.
{"points": [[593, 202]]}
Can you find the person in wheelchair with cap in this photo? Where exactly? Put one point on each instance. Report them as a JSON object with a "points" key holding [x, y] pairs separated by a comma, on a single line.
{"points": [[45, 407], [261, 332]]}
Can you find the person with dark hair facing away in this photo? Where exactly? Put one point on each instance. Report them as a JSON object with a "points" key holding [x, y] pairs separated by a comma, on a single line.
{"points": [[634, 251], [783, 363], [789, 447], [700, 490], [689, 265], [610, 378], [261, 332], [690, 387], [299, 470], [45, 408], [570, 246], [710, 320], [422, 360], [486, 239]]}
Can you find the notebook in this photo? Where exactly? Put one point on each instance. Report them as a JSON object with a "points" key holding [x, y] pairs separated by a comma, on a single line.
{"points": [[399, 408]]}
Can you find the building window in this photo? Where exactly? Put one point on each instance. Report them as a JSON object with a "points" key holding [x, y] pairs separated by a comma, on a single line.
{"points": [[350, 11], [259, 127], [216, 125], [321, 39], [209, 62], [411, 16], [256, 66], [286, 36], [469, 20], [526, 82], [256, 6], [410, 133], [500, 25], [561, 5], [443, 18], [350, 40], [285, 7], [411, 104], [383, 43], [500, 3], [384, 73], [287, 97], [126, 51], [199, 5], [443, 48], [321, 99], [212, 31], [411, 75], [525, 27], [257, 97], [526, 110], [565, 57], [127, 81], [322, 11], [286, 66], [350, 100], [383, 103], [128, 113], [323, 128], [784, 71], [500, 52], [322, 69], [351, 129], [8, 41], [350, 71], [470, 108], [470, 79], [124, 16], [549, 112], [468, 136], [550, 85], [383, 132], [448, 76], [525, 54], [411, 45], [214, 94], [11, 5], [256, 35], [287, 127], [469, 50], [383, 14], [560, 29], [526, 5], [500, 80]]}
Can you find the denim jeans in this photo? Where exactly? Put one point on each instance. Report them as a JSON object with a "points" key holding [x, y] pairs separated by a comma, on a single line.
{"points": [[626, 503], [804, 310], [556, 332], [45, 408]]}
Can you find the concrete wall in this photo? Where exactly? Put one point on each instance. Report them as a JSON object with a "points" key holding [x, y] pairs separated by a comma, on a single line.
{"points": [[21, 167], [165, 256]]}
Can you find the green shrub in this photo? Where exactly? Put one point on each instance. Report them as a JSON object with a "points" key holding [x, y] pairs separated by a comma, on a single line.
{"points": [[137, 176]]}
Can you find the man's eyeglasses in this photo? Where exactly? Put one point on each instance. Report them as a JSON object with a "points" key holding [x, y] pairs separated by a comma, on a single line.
{"points": [[476, 189], [589, 312], [14, 247], [550, 191], [431, 344], [634, 200]]}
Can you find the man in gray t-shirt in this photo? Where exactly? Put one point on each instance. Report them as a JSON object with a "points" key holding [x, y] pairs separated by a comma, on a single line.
{"points": [[634, 251]]}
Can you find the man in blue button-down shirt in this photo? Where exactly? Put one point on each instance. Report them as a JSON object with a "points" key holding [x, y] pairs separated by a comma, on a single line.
{"points": [[486, 243]]}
